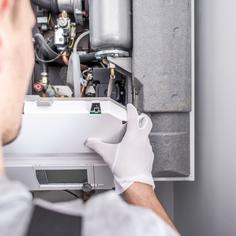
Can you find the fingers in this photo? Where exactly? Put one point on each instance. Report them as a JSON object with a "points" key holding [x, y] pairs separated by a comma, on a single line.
{"points": [[146, 123], [143, 121], [105, 150], [132, 116], [132, 112]]}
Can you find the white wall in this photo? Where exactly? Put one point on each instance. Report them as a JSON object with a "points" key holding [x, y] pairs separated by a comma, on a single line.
{"points": [[208, 206]]}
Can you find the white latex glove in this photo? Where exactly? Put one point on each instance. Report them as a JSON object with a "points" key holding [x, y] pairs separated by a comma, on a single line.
{"points": [[131, 160]]}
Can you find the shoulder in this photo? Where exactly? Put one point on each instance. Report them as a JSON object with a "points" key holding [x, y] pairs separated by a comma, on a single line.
{"points": [[16, 207]]}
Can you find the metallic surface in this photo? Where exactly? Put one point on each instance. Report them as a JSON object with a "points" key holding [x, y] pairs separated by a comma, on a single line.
{"points": [[62, 31], [162, 55], [68, 5], [72, 6], [111, 53], [110, 24], [53, 137], [56, 121], [23, 168]]}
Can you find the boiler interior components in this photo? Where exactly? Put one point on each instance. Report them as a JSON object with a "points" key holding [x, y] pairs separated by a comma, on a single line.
{"points": [[92, 58]]}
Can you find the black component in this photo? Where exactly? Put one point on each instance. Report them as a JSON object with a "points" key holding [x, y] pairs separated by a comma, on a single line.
{"points": [[86, 6], [51, 5], [87, 57], [62, 176], [41, 177], [95, 109], [47, 222], [42, 16], [66, 176], [101, 77]]}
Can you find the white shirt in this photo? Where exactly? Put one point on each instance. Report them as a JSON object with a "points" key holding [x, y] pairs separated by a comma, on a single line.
{"points": [[104, 215]]}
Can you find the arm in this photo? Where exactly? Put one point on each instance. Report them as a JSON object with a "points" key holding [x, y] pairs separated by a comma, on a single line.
{"points": [[15, 205], [131, 163], [143, 195]]}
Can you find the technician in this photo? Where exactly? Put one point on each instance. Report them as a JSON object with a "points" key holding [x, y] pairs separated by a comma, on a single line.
{"points": [[133, 209]]}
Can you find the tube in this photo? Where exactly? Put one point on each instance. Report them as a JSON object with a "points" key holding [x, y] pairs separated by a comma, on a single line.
{"points": [[65, 59], [87, 57], [110, 24], [110, 87], [79, 39], [44, 47]]}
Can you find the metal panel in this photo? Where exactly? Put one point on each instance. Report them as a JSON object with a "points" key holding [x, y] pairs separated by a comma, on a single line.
{"points": [[64, 126], [162, 54], [162, 79], [171, 144]]}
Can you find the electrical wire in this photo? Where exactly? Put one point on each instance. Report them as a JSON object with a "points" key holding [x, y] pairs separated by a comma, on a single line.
{"points": [[48, 61], [86, 71], [49, 18], [72, 43], [71, 193], [103, 66], [44, 43]]}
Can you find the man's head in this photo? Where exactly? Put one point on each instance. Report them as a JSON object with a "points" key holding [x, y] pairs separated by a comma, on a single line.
{"points": [[16, 63]]}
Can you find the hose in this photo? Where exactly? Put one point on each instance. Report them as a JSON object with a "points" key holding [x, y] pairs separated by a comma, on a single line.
{"points": [[51, 5], [43, 66], [43, 47], [47, 61], [87, 57], [79, 39]]}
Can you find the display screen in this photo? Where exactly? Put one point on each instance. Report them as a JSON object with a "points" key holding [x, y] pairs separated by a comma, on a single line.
{"points": [[66, 176]]}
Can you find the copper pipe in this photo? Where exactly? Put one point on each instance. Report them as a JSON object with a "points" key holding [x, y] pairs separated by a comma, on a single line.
{"points": [[65, 59]]}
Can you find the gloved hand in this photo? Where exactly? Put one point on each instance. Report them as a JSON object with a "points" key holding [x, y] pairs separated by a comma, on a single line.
{"points": [[130, 160]]}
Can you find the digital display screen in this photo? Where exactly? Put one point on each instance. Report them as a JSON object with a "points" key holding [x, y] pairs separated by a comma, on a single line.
{"points": [[66, 176]]}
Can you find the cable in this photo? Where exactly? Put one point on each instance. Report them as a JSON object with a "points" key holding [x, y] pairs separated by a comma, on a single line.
{"points": [[72, 43], [71, 193], [49, 61], [40, 40], [79, 39], [86, 71], [49, 18]]}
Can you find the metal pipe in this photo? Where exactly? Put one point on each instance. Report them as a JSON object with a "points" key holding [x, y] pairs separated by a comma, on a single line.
{"points": [[47, 4], [59, 5]]}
